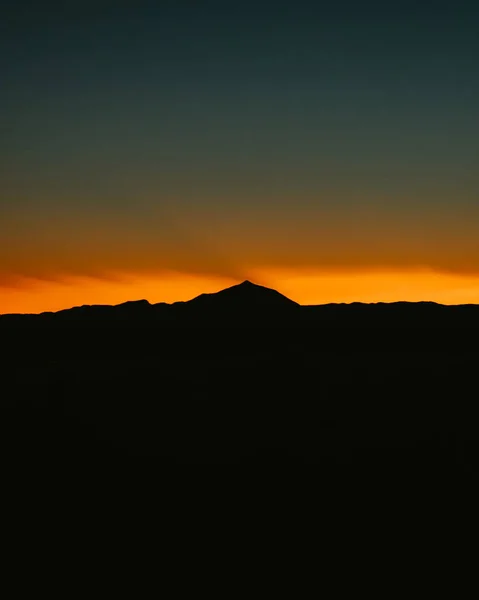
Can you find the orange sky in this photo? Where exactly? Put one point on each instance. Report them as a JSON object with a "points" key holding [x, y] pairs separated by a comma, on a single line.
{"points": [[325, 150], [64, 258], [306, 286], [313, 256]]}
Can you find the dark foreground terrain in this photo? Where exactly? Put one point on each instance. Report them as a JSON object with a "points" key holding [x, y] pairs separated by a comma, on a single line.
{"points": [[354, 394]]}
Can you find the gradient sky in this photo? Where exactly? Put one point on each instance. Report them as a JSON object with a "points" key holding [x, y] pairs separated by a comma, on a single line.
{"points": [[162, 149]]}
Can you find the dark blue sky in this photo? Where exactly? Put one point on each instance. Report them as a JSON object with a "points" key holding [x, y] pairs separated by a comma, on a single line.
{"points": [[235, 124]]}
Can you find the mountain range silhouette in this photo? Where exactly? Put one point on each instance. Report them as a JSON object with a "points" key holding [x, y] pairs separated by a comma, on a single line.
{"points": [[247, 376], [251, 303]]}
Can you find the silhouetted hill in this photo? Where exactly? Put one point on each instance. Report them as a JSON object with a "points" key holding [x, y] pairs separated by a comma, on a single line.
{"points": [[244, 296], [247, 376], [251, 304]]}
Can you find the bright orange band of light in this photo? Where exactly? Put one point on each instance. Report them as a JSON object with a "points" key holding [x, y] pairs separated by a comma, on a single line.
{"points": [[304, 286]]}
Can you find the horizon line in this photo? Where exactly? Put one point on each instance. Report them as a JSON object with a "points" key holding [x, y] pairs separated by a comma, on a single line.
{"points": [[246, 281]]}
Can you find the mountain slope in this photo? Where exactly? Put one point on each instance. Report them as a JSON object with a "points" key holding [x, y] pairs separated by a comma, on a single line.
{"points": [[246, 296]]}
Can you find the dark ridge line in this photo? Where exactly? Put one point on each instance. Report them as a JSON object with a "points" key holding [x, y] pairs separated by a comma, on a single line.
{"points": [[248, 290]]}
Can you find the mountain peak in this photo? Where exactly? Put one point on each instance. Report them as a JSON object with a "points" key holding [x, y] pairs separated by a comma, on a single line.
{"points": [[246, 295]]}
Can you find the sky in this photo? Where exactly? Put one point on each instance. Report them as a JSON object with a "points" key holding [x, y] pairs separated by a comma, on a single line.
{"points": [[163, 149]]}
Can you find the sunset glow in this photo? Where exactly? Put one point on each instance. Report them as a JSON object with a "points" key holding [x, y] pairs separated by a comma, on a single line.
{"points": [[153, 150], [305, 287]]}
